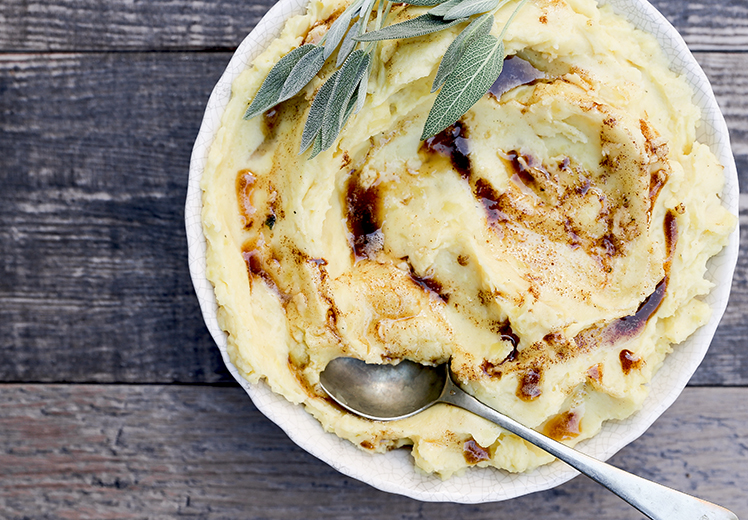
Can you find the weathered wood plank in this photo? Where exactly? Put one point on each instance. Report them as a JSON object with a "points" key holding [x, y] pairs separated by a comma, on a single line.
{"points": [[75, 25], [93, 161], [708, 26], [728, 74], [131, 452]]}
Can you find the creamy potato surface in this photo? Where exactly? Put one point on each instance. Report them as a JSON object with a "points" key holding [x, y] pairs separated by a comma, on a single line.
{"points": [[552, 243]]}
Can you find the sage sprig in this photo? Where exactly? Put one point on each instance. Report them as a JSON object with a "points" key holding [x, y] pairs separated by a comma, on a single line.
{"points": [[338, 108], [418, 26], [470, 65], [302, 73], [471, 78], [478, 60], [269, 94], [456, 50]]}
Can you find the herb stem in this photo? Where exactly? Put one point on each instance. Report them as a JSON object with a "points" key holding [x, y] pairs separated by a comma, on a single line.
{"points": [[382, 16], [511, 19]]}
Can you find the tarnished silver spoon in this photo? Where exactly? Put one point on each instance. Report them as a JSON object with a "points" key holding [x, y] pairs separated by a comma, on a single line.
{"points": [[389, 392]]}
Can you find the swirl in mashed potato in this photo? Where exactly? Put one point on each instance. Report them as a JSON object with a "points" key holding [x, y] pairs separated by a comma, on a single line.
{"points": [[551, 244]]}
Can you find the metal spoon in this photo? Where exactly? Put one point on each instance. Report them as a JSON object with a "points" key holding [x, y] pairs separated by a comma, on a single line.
{"points": [[389, 392]]}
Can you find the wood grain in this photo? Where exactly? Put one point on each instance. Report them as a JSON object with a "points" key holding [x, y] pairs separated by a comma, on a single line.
{"points": [[94, 158], [77, 25], [131, 452], [100, 103], [90, 25], [728, 75]]}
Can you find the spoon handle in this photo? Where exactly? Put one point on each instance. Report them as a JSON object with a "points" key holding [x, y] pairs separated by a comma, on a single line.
{"points": [[654, 500]]}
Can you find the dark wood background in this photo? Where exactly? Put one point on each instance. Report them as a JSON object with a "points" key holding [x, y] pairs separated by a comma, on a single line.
{"points": [[114, 402]]}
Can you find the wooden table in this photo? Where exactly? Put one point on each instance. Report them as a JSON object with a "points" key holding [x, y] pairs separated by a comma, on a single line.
{"points": [[114, 402]]}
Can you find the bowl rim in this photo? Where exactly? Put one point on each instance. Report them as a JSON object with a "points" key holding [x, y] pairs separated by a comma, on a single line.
{"points": [[394, 472]]}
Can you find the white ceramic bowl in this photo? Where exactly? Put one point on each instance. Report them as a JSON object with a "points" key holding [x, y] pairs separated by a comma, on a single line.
{"points": [[394, 472]]}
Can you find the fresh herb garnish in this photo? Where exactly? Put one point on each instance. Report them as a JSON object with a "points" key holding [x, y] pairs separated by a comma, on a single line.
{"points": [[469, 67]]}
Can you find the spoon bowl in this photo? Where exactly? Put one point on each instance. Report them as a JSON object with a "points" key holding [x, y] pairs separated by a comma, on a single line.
{"points": [[391, 392], [383, 392]]}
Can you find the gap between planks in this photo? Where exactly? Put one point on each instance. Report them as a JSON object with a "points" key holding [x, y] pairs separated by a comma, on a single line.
{"points": [[162, 451]]}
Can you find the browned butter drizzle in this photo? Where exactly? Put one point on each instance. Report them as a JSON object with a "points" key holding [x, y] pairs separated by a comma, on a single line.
{"points": [[453, 144], [474, 452], [515, 72], [362, 207]]}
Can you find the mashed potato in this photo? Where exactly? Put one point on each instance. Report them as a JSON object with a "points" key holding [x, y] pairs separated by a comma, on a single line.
{"points": [[552, 243]]}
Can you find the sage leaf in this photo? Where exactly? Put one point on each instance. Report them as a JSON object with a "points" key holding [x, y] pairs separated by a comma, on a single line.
{"points": [[445, 7], [349, 42], [366, 11], [316, 146], [269, 93], [424, 3], [477, 28], [417, 26], [337, 32], [345, 85], [351, 106], [362, 88], [302, 73], [313, 124], [471, 78], [471, 7]]}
